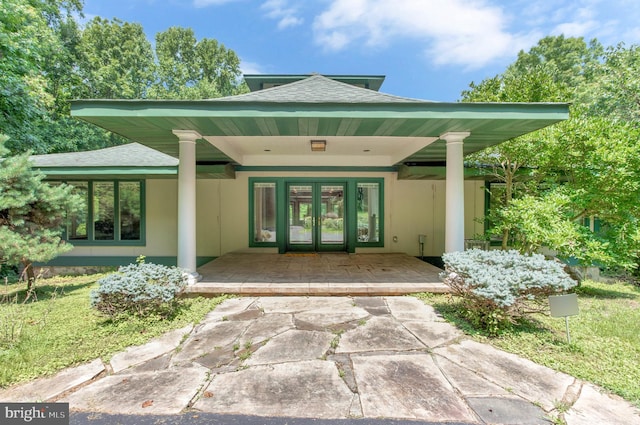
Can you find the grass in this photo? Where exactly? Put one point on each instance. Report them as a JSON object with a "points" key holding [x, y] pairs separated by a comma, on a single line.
{"points": [[59, 329], [605, 336]]}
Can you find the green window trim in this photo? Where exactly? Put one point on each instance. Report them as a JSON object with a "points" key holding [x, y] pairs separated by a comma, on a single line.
{"points": [[351, 183], [117, 239]]}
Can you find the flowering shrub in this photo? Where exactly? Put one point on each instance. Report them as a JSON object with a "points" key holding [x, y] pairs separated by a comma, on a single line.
{"points": [[141, 288], [497, 287]]}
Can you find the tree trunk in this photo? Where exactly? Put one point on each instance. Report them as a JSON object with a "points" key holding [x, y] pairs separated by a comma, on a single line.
{"points": [[31, 277]]}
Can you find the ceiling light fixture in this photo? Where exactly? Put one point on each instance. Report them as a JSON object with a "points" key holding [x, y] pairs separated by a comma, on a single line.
{"points": [[318, 145]]}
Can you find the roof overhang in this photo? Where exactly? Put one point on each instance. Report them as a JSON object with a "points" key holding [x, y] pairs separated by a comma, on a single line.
{"points": [[375, 134]]}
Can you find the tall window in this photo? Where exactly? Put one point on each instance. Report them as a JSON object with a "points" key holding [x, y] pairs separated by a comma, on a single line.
{"points": [[104, 211], [111, 214], [368, 211], [264, 212], [77, 230], [130, 211]]}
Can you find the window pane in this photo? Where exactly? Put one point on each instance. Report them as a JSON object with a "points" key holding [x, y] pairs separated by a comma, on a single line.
{"points": [[368, 212], [78, 221], [103, 211], [300, 214], [264, 212], [130, 212], [332, 218]]}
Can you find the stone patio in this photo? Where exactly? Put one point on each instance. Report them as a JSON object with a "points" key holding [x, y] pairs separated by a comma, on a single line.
{"points": [[256, 274]]}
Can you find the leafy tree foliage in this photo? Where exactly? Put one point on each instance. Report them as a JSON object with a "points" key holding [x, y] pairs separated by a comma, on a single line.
{"points": [[116, 60], [584, 167], [191, 69], [47, 60], [31, 213], [567, 59], [25, 39], [612, 87], [514, 163]]}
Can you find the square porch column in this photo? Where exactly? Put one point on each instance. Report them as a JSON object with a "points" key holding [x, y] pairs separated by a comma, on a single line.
{"points": [[454, 192], [187, 202]]}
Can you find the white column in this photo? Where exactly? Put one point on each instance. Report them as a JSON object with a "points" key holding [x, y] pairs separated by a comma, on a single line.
{"points": [[187, 202], [454, 200]]}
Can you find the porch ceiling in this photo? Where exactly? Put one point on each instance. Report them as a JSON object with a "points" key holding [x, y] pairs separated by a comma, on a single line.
{"points": [[253, 133]]}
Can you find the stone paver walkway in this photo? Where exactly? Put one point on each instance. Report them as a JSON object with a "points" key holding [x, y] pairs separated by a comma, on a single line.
{"points": [[329, 357]]}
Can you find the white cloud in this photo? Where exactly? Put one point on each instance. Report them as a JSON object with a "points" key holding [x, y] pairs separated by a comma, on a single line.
{"points": [[580, 22], [247, 67], [470, 33], [282, 11]]}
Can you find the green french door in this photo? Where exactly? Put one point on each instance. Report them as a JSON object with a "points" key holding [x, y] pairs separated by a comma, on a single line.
{"points": [[315, 216]]}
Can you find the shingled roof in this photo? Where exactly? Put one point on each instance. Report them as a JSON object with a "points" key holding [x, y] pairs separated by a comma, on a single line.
{"points": [[318, 89], [129, 155]]}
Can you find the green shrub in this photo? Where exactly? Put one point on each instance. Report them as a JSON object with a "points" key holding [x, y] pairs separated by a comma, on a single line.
{"points": [[498, 287], [141, 289]]}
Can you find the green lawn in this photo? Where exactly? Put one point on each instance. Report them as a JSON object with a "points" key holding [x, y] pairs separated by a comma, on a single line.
{"points": [[60, 329], [605, 336]]}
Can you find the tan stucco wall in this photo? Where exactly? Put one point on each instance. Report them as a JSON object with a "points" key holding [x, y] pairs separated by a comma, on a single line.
{"points": [[418, 207], [412, 207]]}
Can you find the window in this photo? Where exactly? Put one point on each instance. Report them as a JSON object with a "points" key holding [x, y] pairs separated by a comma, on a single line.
{"points": [[368, 212], [264, 212], [316, 212], [77, 227], [112, 213], [103, 211], [130, 211]]}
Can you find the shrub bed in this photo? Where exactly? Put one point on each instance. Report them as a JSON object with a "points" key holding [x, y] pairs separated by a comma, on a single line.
{"points": [[498, 287], [141, 289]]}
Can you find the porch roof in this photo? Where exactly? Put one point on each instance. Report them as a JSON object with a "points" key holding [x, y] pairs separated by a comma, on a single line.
{"points": [[132, 160], [274, 126]]}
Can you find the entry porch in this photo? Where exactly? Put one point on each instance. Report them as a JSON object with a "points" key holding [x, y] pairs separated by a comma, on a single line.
{"points": [[254, 274]]}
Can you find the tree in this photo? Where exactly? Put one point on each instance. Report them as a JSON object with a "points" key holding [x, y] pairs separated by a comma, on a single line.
{"points": [[46, 60], [515, 162], [570, 58], [116, 60], [29, 51], [579, 169], [32, 213], [600, 159], [24, 39], [191, 69], [612, 87]]}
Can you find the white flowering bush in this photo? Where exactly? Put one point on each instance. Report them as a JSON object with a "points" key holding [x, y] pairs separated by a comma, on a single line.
{"points": [[497, 287], [141, 288]]}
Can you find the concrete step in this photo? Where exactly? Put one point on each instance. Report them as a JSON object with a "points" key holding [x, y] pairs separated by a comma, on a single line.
{"points": [[314, 288]]}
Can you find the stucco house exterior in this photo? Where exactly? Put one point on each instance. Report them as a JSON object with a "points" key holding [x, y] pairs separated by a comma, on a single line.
{"points": [[301, 163]]}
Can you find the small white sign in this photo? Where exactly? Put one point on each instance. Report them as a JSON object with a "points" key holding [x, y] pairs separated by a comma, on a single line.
{"points": [[563, 305]]}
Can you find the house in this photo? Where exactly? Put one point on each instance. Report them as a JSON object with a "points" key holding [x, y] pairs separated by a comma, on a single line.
{"points": [[300, 163]]}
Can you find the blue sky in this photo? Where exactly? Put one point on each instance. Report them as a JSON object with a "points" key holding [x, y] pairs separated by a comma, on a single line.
{"points": [[428, 49]]}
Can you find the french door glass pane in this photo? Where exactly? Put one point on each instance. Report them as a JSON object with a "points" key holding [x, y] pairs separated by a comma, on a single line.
{"points": [[130, 212], [332, 214], [301, 214], [368, 206], [264, 212]]}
